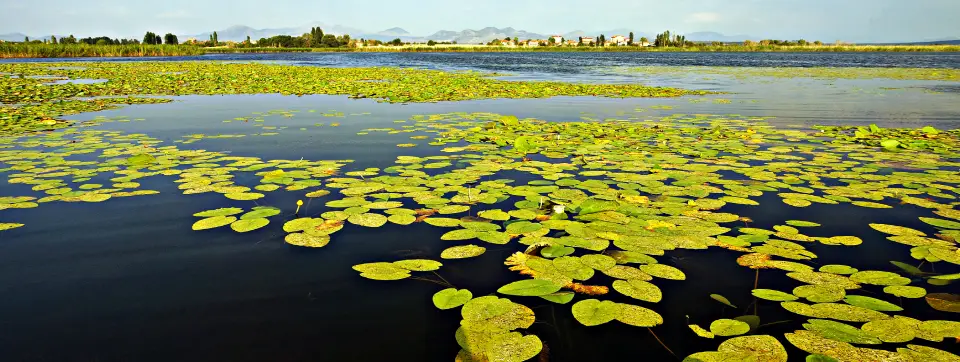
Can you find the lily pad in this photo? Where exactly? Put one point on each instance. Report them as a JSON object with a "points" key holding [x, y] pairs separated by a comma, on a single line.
{"points": [[728, 327], [945, 302], [246, 225], [213, 222], [451, 298], [774, 295], [370, 220], [462, 252], [638, 289], [872, 303], [305, 240], [530, 288], [226, 211]]}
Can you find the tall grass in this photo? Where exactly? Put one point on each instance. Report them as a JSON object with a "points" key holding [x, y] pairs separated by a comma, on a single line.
{"points": [[20, 50]]}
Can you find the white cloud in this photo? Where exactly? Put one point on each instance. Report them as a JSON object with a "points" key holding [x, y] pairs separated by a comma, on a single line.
{"points": [[703, 18]]}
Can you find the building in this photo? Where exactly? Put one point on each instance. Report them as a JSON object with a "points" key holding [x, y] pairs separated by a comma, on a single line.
{"points": [[572, 43], [618, 40], [506, 43], [588, 40], [557, 39], [532, 43]]}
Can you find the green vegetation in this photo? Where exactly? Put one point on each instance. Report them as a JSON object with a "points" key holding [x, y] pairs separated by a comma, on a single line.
{"points": [[20, 50], [746, 73], [40, 105], [616, 197]]}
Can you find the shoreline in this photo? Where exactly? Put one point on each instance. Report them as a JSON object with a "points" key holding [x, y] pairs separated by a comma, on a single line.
{"points": [[40, 51]]}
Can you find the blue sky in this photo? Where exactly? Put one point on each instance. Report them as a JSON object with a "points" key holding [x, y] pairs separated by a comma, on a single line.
{"points": [[827, 20]]}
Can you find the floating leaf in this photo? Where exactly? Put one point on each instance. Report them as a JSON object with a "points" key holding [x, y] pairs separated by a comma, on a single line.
{"points": [[840, 332], [451, 298], [895, 330], [838, 269], [305, 240], [421, 265], [462, 252], [722, 299], [638, 289], [896, 230], [244, 196], [872, 303], [402, 219], [530, 288], [260, 213], [663, 271], [945, 302], [905, 291], [774, 295], [700, 332], [369, 220], [592, 312], [637, 316], [941, 223], [497, 214], [459, 234], [879, 278], [559, 297], [800, 223], [728, 327], [245, 225], [9, 225], [226, 211], [213, 222]]}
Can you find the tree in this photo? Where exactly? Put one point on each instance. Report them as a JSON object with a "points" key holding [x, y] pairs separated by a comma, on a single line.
{"points": [[580, 41], [818, 43], [330, 41], [630, 41], [644, 40], [396, 42], [603, 40], [157, 39], [431, 43], [53, 39], [551, 41], [26, 39], [149, 38], [215, 39], [247, 42], [171, 39], [748, 43]]}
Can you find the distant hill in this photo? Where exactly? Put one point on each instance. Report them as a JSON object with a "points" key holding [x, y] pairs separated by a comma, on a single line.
{"points": [[240, 32], [13, 37]]}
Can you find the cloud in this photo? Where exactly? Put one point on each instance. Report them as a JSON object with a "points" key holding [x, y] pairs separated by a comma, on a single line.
{"points": [[703, 18], [178, 14]]}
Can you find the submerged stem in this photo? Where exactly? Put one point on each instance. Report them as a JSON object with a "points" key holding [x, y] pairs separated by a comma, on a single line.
{"points": [[444, 280], [756, 281], [432, 281], [662, 344]]}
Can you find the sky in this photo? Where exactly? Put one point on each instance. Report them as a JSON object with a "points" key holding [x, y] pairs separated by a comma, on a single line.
{"points": [[826, 20]]}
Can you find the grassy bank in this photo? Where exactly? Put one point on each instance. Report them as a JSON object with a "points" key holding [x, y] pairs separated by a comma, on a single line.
{"points": [[20, 50]]}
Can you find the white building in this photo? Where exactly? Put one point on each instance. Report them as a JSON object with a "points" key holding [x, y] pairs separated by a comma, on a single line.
{"points": [[618, 40], [588, 40], [557, 39]]}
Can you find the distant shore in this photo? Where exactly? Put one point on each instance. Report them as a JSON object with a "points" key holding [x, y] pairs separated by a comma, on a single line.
{"points": [[19, 50]]}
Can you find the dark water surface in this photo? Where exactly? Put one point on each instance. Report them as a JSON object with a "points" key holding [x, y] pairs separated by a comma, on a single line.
{"points": [[128, 280]]}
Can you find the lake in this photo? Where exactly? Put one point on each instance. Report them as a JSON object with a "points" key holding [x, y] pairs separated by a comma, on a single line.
{"points": [[128, 280]]}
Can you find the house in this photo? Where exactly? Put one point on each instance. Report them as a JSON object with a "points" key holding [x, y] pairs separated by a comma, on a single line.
{"points": [[533, 42], [571, 43], [643, 44], [557, 39], [618, 40], [506, 43], [588, 40]]}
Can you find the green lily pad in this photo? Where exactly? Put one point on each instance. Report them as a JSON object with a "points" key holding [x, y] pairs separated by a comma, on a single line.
{"points": [[895, 330], [420, 265], [246, 225], [872, 303], [838, 269], [451, 298], [462, 252], [878, 278], [941, 223], [369, 220], [905, 291], [559, 297], [226, 211], [774, 295], [663, 271], [530, 288], [840, 332], [728, 327], [592, 312], [896, 230], [260, 213], [213, 222], [305, 240], [638, 289]]}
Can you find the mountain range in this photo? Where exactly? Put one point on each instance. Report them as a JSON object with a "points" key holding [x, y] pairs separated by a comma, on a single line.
{"points": [[467, 36]]}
